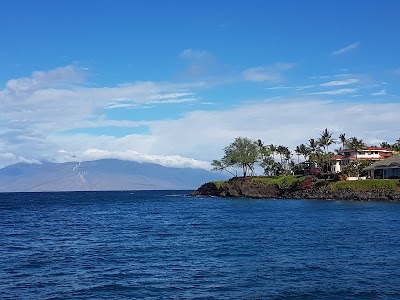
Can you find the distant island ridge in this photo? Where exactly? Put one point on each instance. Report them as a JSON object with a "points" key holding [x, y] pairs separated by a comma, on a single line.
{"points": [[101, 175]]}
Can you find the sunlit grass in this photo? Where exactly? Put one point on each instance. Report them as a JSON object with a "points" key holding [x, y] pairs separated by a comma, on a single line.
{"points": [[283, 181], [370, 184], [218, 184]]}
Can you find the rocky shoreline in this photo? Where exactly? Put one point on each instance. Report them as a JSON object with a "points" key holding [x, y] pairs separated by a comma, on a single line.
{"points": [[247, 188]]}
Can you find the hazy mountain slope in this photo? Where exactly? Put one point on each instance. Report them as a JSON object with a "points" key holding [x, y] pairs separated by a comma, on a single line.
{"points": [[107, 174]]}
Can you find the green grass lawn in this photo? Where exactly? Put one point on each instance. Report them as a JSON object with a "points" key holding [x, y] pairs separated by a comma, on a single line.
{"points": [[218, 184], [369, 184], [284, 181]]}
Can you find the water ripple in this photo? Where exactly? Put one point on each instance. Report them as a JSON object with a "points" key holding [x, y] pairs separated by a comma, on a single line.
{"points": [[163, 245]]}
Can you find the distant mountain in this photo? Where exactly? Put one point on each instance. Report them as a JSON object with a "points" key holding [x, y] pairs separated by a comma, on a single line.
{"points": [[101, 175]]}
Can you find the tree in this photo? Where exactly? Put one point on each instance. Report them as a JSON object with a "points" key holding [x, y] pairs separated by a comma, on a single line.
{"points": [[242, 153], [298, 153], [326, 140], [267, 161], [281, 151], [396, 146], [355, 144], [287, 155], [342, 138], [314, 151], [352, 170], [385, 145], [305, 151]]}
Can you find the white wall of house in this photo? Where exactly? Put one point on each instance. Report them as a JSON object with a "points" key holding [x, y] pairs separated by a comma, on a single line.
{"points": [[356, 178], [365, 154], [335, 166]]}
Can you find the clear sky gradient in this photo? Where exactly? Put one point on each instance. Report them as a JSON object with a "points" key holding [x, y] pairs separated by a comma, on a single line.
{"points": [[174, 82]]}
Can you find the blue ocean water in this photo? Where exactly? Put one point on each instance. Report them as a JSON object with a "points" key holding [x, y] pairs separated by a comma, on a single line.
{"points": [[165, 245]]}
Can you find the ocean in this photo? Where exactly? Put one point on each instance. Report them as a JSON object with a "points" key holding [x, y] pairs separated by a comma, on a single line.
{"points": [[166, 245]]}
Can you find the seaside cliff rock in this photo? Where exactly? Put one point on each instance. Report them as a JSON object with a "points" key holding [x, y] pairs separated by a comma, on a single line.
{"points": [[247, 188]]}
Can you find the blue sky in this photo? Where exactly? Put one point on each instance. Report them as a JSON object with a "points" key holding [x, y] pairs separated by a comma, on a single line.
{"points": [[174, 82]]}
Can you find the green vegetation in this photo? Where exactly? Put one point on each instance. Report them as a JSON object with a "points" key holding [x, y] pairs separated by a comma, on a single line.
{"points": [[242, 153], [218, 184], [278, 160], [283, 181], [354, 168], [371, 185]]}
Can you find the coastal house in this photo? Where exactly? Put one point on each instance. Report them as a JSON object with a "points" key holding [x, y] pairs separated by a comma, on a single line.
{"points": [[347, 156], [385, 169]]}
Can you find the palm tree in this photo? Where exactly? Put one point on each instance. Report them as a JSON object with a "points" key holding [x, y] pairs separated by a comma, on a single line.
{"points": [[262, 149], [272, 148], [287, 156], [266, 157], [396, 146], [305, 151], [314, 149], [281, 151], [385, 145], [313, 145], [342, 138], [326, 140], [298, 153]]}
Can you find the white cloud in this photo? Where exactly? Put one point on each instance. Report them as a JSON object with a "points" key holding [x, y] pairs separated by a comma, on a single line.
{"points": [[299, 88], [193, 54], [258, 74], [336, 92], [130, 155], [341, 82], [280, 87], [380, 93], [331, 76], [60, 77], [268, 73], [8, 158], [31, 123], [202, 135], [53, 100], [346, 49]]}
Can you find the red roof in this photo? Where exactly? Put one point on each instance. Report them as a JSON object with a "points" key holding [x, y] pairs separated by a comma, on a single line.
{"points": [[337, 157], [372, 148], [378, 148]]}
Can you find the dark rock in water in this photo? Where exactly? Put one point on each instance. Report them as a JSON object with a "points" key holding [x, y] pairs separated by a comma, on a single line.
{"points": [[207, 189], [238, 187], [246, 187]]}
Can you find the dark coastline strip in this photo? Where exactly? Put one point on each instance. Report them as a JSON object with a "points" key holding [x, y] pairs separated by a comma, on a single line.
{"points": [[251, 189]]}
